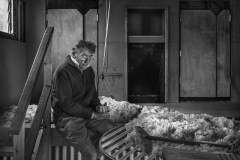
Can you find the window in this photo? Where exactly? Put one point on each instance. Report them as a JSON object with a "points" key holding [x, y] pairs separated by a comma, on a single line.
{"points": [[8, 19]]}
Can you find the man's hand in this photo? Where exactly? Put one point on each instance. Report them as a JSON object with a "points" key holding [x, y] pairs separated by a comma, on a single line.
{"points": [[98, 116], [102, 109]]}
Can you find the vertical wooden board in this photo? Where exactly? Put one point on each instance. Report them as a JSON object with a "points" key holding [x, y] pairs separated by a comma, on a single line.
{"points": [[235, 12], [223, 54], [113, 70], [68, 30], [19, 143], [236, 88], [90, 33], [235, 78], [198, 48]]}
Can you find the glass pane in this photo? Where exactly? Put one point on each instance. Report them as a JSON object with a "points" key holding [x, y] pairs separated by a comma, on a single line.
{"points": [[5, 15]]}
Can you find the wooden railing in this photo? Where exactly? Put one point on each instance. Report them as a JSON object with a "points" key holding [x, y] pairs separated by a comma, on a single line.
{"points": [[17, 128]]}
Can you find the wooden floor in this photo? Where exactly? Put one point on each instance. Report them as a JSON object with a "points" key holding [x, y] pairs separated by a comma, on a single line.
{"points": [[225, 109]]}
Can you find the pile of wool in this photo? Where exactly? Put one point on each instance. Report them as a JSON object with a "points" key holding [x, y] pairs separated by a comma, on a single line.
{"points": [[121, 111], [164, 122], [7, 114]]}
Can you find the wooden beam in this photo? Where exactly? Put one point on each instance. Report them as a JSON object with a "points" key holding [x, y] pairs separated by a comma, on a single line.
{"points": [[18, 143], [32, 136], [6, 151], [30, 84], [146, 39]]}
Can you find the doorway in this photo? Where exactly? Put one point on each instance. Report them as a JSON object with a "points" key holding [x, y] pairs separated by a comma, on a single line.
{"points": [[147, 48]]}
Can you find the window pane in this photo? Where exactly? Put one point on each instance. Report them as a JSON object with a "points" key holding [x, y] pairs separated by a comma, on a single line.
{"points": [[6, 16]]}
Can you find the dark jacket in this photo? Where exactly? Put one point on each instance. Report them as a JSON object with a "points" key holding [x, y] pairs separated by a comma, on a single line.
{"points": [[73, 91]]}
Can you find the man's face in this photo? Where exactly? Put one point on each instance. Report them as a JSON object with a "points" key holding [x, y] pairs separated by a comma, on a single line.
{"points": [[83, 58]]}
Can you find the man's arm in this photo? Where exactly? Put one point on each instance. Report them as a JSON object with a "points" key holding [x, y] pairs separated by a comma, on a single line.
{"points": [[64, 94]]}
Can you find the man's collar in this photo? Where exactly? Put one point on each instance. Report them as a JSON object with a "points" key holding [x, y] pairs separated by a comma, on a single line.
{"points": [[77, 64], [74, 61]]}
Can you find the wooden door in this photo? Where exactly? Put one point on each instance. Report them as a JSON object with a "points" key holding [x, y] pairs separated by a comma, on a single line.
{"points": [[205, 54], [198, 54]]}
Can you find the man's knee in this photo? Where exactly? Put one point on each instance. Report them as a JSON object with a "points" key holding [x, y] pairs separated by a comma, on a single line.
{"points": [[106, 126], [89, 152]]}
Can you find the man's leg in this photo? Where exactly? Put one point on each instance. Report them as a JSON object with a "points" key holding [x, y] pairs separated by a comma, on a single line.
{"points": [[99, 127], [76, 135], [89, 152]]}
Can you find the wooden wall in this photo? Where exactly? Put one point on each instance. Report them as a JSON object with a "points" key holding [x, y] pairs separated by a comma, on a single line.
{"points": [[235, 51], [116, 58], [35, 27], [12, 71]]}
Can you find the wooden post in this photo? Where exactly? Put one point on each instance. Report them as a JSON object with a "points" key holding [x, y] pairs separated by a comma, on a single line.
{"points": [[47, 115], [19, 144]]}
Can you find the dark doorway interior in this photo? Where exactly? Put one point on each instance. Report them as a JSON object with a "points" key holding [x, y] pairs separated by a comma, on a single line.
{"points": [[146, 73]]}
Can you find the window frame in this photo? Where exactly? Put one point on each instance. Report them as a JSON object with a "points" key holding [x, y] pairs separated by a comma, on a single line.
{"points": [[14, 35]]}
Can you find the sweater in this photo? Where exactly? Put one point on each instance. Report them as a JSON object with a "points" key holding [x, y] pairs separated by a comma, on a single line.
{"points": [[73, 91]]}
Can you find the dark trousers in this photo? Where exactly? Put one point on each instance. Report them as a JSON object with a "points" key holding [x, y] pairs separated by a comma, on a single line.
{"points": [[83, 134]]}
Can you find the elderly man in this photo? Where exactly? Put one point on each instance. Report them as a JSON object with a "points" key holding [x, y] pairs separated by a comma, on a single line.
{"points": [[78, 113]]}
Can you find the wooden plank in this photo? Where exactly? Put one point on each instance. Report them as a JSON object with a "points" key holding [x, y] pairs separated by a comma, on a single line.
{"points": [[30, 83], [68, 30], [19, 144], [32, 136], [90, 34], [47, 132], [146, 39], [223, 54], [198, 48], [166, 23], [37, 144], [180, 154]]}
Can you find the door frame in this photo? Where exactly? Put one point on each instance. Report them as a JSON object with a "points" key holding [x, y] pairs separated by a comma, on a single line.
{"points": [[164, 39]]}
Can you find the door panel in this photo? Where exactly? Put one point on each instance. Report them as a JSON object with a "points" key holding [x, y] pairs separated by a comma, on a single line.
{"points": [[198, 49], [223, 54]]}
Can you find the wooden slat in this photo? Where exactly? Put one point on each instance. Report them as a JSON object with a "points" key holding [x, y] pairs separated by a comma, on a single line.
{"points": [[122, 149], [30, 83], [113, 133], [198, 50], [6, 151], [139, 156], [37, 144], [115, 146], [223, 54], [114, 139], [146, 39], [32, 136], [130, 152]]}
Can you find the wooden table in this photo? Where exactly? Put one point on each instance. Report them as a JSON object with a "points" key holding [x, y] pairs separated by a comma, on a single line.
{"points": [[181, 154]]}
